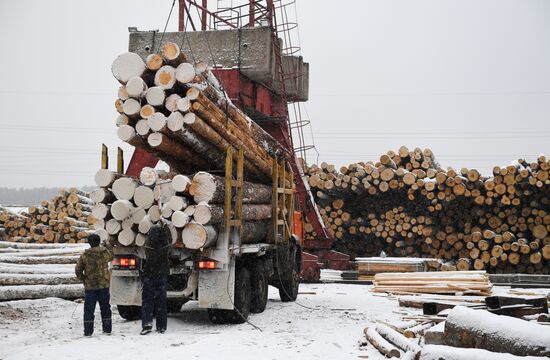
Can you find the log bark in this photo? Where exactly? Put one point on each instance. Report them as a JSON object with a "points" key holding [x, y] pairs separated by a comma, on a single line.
{"points": [[211, 189], [70, 292], [37, 279]]}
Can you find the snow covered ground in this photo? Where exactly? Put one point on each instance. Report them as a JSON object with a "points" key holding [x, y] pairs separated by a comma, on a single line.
{"points": [[328, 325]]}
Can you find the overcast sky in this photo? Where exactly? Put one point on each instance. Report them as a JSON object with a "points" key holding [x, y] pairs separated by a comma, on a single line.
{"points": [[468, 78]]}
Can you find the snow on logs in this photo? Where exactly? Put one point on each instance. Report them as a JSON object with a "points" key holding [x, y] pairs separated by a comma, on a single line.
{"points": [[188, 118], [192, 205], [466, 327]]}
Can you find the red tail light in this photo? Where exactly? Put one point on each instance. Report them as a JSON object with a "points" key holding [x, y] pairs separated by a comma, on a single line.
{"points": [[206, 264], [125, 262]]}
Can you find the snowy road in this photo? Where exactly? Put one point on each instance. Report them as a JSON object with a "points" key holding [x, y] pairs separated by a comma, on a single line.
{"points": [[329, 326]]}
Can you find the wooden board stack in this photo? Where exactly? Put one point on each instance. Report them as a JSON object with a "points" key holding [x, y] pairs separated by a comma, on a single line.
{"points": [[370, 266], [458, 282], [66, 218], [406, 204], [127, 208], [178, 112]]}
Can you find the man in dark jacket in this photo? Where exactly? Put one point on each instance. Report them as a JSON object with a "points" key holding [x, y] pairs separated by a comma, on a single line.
{"points": [[92, 268], [155, 277]]}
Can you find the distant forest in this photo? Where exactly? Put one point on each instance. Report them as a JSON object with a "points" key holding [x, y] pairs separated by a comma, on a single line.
{"points": [[28, 197]]}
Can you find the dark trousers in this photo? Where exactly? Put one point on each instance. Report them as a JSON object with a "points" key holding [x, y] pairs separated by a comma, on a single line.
{"points": [[153, 298], [90, 299]]}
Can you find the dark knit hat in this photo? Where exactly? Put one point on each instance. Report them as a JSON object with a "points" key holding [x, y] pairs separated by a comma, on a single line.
{"points": [[94, 240]]}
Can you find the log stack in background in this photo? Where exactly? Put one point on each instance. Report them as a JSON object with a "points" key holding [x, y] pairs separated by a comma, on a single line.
{"points": [[406, 204], [67, 218], [192, 206]]}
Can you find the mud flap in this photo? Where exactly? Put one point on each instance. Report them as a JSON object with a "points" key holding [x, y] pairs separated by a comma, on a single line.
{"points": [[125, 290], [217, 287]]}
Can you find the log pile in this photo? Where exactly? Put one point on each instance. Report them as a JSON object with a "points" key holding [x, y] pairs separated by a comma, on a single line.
{"points": [[193, 207], [179, 112], [66, 218], [461, 333], [39, 270], [406, 204]]}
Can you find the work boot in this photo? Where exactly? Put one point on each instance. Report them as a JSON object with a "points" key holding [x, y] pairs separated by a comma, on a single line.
{"points": [[146, 330]]}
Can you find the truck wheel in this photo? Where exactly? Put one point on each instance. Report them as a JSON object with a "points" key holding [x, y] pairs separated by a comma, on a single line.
{"points": [[288, 290], [129, 312], [241, 302], [259, 284]]}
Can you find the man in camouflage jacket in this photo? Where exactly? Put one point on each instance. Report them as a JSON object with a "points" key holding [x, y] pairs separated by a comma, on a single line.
{"points": [[93, 269]]}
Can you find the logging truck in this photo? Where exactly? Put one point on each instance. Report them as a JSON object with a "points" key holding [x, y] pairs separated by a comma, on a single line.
{"points": [[226, 276]]}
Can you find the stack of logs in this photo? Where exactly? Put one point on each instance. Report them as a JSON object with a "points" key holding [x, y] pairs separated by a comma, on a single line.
{"points": [[66, 218], [178, 112], [406, 204], [192, 206]]}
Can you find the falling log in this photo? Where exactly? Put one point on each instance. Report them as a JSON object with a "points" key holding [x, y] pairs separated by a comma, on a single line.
{"points": [[380, 343], [211, 189], [481, 329]]}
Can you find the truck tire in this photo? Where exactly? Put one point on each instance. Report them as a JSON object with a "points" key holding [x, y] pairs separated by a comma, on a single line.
{"points": [[288, 289], [129, 312], [259, 288], [241, 302]]}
